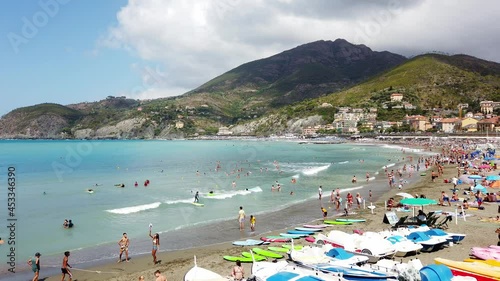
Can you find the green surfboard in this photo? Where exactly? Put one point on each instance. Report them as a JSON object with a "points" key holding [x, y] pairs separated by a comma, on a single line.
{"points": [[337, 222], [257, 257], [278, 249], [241, 259], [267, 253], [296, 247]]}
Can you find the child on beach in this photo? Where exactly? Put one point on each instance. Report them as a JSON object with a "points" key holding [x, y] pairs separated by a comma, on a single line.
{"points": [[159, 276], [252, 222], [325, 212], [35, 265]]}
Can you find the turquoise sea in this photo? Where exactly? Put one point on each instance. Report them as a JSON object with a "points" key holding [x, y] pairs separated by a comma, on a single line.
{"points": [[52, 178]]}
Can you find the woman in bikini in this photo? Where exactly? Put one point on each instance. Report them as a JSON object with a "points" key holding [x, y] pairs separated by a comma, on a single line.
{"points": [[238, 271], [156, 243]]}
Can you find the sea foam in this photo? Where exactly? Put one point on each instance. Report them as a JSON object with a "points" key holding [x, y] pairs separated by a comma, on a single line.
{"points": [[134, 209], [314, 170]]}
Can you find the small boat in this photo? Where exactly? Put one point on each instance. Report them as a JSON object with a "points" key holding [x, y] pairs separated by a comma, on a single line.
{"points": [[428, 243], [374, 248], [450, 237], [200, 274], [285, 271], [404, 246], [325, 254], [485, 253], [480, 271]]}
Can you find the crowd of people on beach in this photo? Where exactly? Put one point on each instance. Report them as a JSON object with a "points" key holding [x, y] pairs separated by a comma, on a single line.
{"points": [[446, 153]]}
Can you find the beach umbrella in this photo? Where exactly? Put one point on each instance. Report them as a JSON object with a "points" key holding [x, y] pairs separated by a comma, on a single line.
{"points": [[485, 166], [418, 201], [475, 177], [480, 188], [415, 202], [495, 184], [404, 194], [493, 178]]}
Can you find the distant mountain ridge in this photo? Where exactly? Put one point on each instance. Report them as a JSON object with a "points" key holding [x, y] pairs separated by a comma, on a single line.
{"points": [[307, 71], [282, 93]]}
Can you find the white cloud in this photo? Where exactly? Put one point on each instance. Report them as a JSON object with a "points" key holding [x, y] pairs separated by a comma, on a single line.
{"points": [[195, 41]]}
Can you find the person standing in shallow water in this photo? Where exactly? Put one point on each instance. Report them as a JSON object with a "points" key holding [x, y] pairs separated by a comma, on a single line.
{"points": [[156, 244], [241, 218]]}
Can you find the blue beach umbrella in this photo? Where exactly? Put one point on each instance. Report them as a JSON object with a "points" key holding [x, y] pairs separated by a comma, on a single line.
{"points": [[481, 188], [493, 177], [475, 177]]}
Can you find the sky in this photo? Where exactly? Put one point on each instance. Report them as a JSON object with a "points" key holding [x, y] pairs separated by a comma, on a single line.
{"points": [[70, 51]]}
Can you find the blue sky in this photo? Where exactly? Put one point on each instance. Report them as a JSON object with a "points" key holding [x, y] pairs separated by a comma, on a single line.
{"points": [[142, 49], [60, 63]]}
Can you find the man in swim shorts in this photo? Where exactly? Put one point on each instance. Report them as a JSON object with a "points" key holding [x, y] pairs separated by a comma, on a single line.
{"points": [[124, 243], [241, 218], [64, 268]]}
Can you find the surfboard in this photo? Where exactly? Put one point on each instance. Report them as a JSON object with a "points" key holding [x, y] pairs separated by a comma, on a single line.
{"points": [[308, 229], [267, 253], [278, 249], [248, 242], [276, 239], [198, 204], [300, 232], [351, 220], [293, 236], [337, 222], [241, 259], [256, 257], [296, 247], [315, 225]]}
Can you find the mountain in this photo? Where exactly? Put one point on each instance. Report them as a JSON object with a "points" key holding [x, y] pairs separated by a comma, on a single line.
{"points": [[307, 71], [282, 93]]}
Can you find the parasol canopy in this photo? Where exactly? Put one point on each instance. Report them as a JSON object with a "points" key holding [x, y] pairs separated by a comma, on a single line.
{"points": [[495, 184], [418, 202], [475, 177], [493, 178], [485, 166], [481, 188]]}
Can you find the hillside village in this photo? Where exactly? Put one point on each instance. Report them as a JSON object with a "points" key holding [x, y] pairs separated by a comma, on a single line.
{"points": [[350, 120]]}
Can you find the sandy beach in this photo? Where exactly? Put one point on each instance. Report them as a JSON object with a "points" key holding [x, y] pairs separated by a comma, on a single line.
{"points": [[176, 263]]}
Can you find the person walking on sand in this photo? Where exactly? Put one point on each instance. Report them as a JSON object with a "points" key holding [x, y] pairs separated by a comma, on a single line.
{"points": [[35, 266], [64, 268], [252, 222], [241, 218], [156, 244], [159, 276], [238, 272], [124, 243]]}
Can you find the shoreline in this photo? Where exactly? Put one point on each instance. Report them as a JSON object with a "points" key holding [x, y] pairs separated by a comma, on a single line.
{"points": [[302, 214]]}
